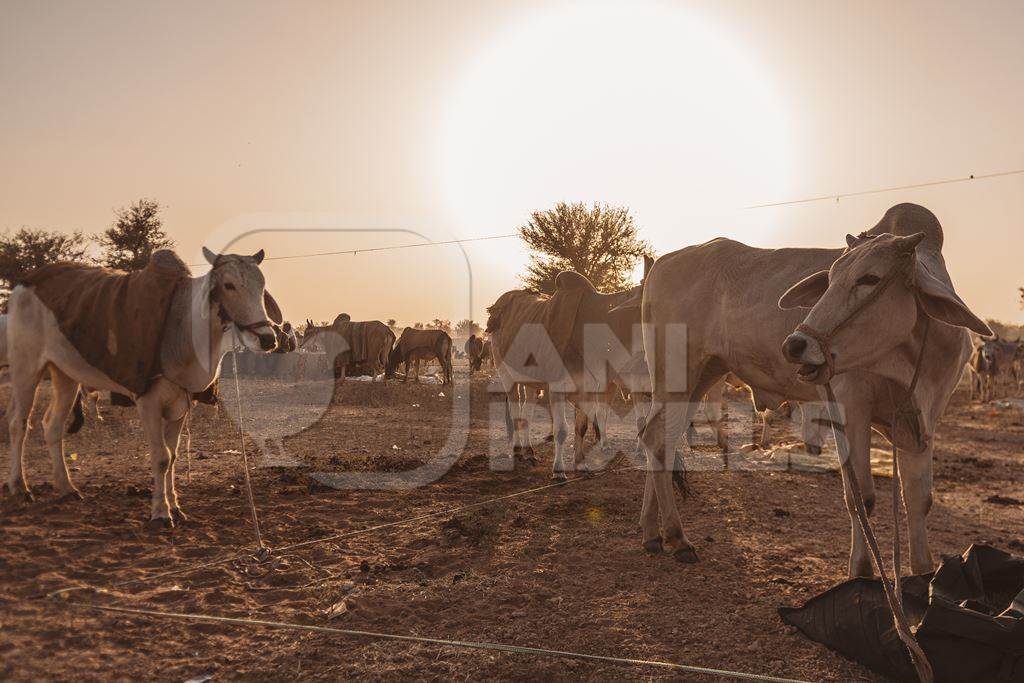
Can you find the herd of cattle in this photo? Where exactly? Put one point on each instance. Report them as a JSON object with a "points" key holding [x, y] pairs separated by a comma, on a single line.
{"points": [[879, 321]]}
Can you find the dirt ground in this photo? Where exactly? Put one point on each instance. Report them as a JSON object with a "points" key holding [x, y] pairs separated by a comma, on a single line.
{"points": [[561, 568]]}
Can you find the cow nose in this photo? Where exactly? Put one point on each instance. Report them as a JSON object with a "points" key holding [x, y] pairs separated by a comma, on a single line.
{"points": [[793, 348], [268, 342]]}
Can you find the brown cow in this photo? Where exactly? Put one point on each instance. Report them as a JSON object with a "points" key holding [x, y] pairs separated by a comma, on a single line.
{"points": [[422, 345], [474, 352], [562, 344], [352, 346]]}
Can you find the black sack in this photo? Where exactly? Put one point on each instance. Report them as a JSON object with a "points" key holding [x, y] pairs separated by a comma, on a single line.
{"points": [[969, 616]]}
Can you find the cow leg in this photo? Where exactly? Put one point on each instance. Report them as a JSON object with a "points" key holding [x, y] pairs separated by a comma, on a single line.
{"points": [[650, 528], [810, 431], [172, 438], [92, 399], [561, 433], [528, 406], [151, 415], [667, 419], [513, 411], [416, 376], [916, 478], [713, 409], [765, 442], [580, 425], [641, 406], [65, 391], [23, 397]]}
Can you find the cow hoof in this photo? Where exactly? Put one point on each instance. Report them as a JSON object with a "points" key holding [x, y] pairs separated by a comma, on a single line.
{"points": [[72, 495], [654, 546], [16, 491], [559, 476], [160, 524], [178, 516], [813, 450], [686, 555], [584, 471]]}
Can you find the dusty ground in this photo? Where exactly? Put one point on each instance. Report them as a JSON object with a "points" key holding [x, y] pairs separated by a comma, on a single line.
{"points": [[561, 568]]}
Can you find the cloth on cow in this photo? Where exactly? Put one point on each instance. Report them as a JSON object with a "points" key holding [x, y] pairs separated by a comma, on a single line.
{"points": [[114, 319], [969, 616]]}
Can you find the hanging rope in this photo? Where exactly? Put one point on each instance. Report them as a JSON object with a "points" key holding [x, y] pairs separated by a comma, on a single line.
{"points": [[857, 510], [262, 551]]}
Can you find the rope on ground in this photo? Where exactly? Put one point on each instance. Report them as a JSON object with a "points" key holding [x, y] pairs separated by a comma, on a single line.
{"points": [[463, 644], [347, 534], [856, 508]]}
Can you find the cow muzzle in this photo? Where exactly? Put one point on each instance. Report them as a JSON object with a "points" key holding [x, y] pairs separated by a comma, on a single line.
{"points": [[806, 352]]}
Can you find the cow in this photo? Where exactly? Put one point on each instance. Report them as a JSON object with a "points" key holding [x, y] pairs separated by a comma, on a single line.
{"points": [[984, 367], [474, 352], [204, 317], [485, 353], [414, 346], [725, 307], [352, 347], [539, 342]]}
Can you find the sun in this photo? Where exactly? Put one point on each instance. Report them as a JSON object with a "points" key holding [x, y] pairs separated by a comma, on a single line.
{"points": [[641, 104]]}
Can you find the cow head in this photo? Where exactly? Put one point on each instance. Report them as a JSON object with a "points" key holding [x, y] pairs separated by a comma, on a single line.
{"points": [[867, 304], [988, 356], [238, 289]]}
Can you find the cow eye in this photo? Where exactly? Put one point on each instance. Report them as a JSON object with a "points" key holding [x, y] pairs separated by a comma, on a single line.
{"points": [[868, 280], [229, 286]]}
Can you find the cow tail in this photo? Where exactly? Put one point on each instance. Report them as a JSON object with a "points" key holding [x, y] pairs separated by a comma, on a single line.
{"points": [[679, 476], [77, 414]]}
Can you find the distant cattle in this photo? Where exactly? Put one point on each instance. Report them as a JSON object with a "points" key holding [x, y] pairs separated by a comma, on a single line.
{"points": [[352, 348], [994, 364], [474, 352], [415, 345]]}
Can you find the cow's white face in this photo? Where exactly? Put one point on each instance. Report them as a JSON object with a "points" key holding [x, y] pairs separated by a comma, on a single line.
{"points": [[861, 325], [238, 287], [867, 304]]}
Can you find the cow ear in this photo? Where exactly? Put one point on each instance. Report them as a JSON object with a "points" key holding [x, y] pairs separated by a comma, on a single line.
{"points": [[273, 310], [210, 256], [258, 257], [648, 262], [851, 241], [805, 293], [940, 302]]}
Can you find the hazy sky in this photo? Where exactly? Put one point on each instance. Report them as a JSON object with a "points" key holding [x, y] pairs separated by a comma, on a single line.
{"points": [[322, 124]]}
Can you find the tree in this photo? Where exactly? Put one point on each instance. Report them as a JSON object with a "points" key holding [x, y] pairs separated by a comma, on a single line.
{"points": [[439, 324], [134, 236], [392, 323], [598, 241], [417, 326], [26, 250], [465, 328]]}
